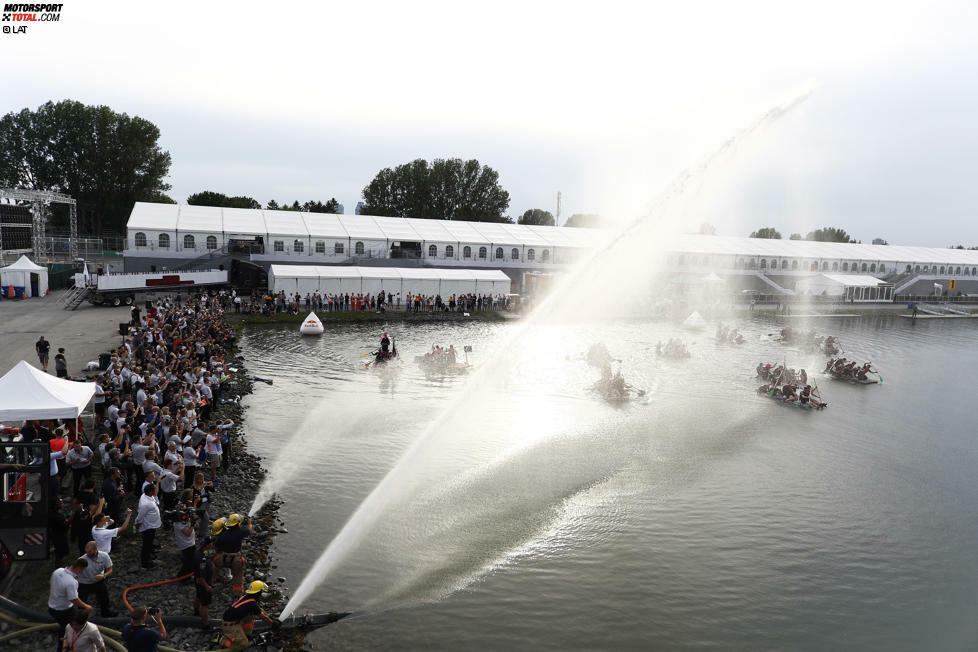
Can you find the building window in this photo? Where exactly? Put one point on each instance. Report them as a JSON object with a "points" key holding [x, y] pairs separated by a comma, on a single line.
{"points": [[942, 269], [449, 251], [973, 272], [320, 247], [864, 267], [483, 252], [794, 265], [835, 266], [164, 241], [358, 248], [872, 267], [965, 271], [532, 255], [825, 266], [784, 264], [909, 268], [882, 268], [140, 239], [845, 267], [957, 271], [433, 251], [917, 269], [298, 246], [515, 254], [926, 269], [466, 251], [338, 248], [545, 256], [499, 253], [751, 264], [763, 263], [188, 242], [279, 246], [212, 242]]}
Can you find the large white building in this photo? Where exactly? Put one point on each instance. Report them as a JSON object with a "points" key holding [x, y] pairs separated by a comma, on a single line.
{"points": [[168, 236]]}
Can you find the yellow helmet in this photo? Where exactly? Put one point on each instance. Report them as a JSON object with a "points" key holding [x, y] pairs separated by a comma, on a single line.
{"points": [[234, 519], [256, 587], [218, 525]]}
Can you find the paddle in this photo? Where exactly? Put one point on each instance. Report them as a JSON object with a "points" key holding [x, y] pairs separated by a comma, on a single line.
{"points": [[638, 392], [878, 374]]}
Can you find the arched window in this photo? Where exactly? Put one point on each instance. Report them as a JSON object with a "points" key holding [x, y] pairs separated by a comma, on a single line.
{"points": [[483, 252], [882, 268], [466, 251], [320, 247], [449, 251], [794, 265], [432, 251], [825, 266], [188, 242], [926, 269], [532, 255], [872, 267], [278, 245], [164, 241], [845, 267], [338, 248], [917, 269], [140, 239], [835, 266], [909, 268], [942, 269], [958, 270], [515, 254], [358, 248], [298, 246], [545, 256], [499, 253], [864, 267], [965, 271], [763, 263], [212, 242], [784, 264], [973, 272], [751, 264]]}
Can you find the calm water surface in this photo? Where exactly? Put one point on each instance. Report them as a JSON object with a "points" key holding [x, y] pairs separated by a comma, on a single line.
{"points": [[702, 517]]}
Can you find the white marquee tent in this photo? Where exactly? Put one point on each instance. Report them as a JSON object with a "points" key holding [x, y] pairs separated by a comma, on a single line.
{"points": [[25, 274], [371, 280], [28, 393]]}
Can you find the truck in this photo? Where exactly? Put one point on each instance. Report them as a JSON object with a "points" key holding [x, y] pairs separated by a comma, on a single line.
{"points": [[120, 289]]}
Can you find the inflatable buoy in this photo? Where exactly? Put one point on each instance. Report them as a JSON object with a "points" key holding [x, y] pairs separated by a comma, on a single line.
{"points": [[311, 325]]}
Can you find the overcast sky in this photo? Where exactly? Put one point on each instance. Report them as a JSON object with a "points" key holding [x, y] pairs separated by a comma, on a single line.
{"points": [[606, 102]]}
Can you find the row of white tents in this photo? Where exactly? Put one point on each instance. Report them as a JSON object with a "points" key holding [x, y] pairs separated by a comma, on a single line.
{"points": [[396, 280]]}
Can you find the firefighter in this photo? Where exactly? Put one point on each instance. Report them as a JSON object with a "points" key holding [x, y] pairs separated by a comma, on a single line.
{"points": [[238, 620], [229, 545]]}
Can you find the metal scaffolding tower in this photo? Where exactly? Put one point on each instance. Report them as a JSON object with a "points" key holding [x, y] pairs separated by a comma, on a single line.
{"points": [[39, 200]]}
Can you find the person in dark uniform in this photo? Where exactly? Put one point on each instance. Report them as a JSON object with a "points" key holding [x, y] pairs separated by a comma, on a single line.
{"points": [[204, 581], [238, 620], [385, 344], [229, 541], [43, 348]]}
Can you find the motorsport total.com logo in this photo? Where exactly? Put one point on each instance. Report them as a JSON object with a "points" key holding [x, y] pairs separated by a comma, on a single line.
{"points": [[23, 14]]}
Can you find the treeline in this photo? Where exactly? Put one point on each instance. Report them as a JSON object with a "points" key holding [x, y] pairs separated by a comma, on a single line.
{"points": [[825, 234], [108, 161]]}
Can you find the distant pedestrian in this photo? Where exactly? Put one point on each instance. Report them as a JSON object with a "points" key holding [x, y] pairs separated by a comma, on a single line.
{"points": [[61, 364], [43, 348]]}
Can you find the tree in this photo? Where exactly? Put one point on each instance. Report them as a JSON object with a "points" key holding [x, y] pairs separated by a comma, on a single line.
{"points": [[537, 216], [106, 160], [211, 198], [272, 205], [585, 220], [447, 189], [707, 229], [829, 234], [795, 236], [768, 233]]}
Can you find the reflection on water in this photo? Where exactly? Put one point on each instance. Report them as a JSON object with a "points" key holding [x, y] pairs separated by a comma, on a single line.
{"points": [[705, 517]]}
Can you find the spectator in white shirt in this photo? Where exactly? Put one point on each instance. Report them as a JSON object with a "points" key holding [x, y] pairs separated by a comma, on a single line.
{"points": [[63, 598], [148, 521]]}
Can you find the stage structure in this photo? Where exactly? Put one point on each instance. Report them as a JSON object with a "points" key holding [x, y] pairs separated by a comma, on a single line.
{"points": [[39, 201]]}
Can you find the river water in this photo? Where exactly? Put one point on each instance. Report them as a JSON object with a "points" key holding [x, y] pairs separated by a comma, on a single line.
{"points": [[537, 516]]}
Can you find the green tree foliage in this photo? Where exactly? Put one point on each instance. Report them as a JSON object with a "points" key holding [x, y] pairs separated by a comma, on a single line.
{"points": [[585, 220], [795, 236], [332, 206], [829, 234], [106, 160], [272, 205], [211, 198], [537, 216], [768, 233], [446, 189]]}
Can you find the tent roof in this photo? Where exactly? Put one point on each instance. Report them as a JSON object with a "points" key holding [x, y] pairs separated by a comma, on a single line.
{"points": [[24, 264], [28, 393]]}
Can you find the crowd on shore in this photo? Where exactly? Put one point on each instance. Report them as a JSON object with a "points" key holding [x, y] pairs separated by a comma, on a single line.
{"points": [[273, 303], [160, 455]]}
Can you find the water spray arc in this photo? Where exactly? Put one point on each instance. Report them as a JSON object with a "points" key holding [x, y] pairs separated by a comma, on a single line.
{"points": [[624, 256]]}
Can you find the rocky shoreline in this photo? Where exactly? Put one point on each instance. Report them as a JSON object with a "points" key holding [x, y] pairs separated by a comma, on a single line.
{"points": [[237, 488]]}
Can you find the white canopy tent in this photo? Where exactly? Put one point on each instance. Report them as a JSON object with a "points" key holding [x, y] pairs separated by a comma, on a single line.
{"points": [[371, 280], [25, 274], [28, 393]]}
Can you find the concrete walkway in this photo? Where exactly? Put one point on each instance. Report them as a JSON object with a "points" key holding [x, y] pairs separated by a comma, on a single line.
{"points": [[84, 333]]}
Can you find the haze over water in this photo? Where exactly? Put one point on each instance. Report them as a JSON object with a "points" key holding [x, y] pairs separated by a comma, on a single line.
{"points": [[705, 517]]}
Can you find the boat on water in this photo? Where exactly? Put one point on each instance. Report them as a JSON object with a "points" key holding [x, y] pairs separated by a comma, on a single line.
{"points": [[771, 394]]}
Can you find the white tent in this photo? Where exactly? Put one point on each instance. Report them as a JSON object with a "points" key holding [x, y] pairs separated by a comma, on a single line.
{"points": [[28, 393], [371, 280], [33, 279]]}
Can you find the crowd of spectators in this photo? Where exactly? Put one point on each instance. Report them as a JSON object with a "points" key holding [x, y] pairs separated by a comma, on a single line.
{"points": [[272, 303]]}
